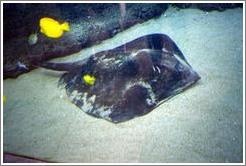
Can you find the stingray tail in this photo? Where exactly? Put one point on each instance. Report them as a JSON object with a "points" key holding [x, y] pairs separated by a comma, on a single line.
{"points": [[66, 66], [57, 66]]}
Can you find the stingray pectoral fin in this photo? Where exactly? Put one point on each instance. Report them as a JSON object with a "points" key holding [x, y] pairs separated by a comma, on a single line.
{"points": [[165, 43], [154, 41], [170, 46]]}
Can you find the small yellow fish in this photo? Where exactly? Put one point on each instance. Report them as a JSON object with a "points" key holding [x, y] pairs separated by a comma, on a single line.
{"points": [[53, 28], [90, 80], [4, 99]]}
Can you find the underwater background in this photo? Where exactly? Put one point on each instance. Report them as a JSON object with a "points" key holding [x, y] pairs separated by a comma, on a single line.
{"points": [[201, 124]]}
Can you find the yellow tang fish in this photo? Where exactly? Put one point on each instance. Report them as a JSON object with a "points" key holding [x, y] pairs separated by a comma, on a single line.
{"points": [[53, 28], [90, 80]]}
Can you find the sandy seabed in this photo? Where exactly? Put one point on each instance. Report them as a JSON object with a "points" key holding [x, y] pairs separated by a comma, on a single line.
{"points": [[202, 124]]}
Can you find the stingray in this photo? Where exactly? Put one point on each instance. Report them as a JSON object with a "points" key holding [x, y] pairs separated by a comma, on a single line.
{"points": [[131, 80]]}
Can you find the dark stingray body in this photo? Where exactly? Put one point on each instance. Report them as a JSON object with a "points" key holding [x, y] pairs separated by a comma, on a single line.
{"points": [[130, 80]]}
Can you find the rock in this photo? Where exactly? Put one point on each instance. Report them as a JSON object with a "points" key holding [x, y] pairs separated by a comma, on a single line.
{"points": [[208, 6], [217, 6], [90, 24]]}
